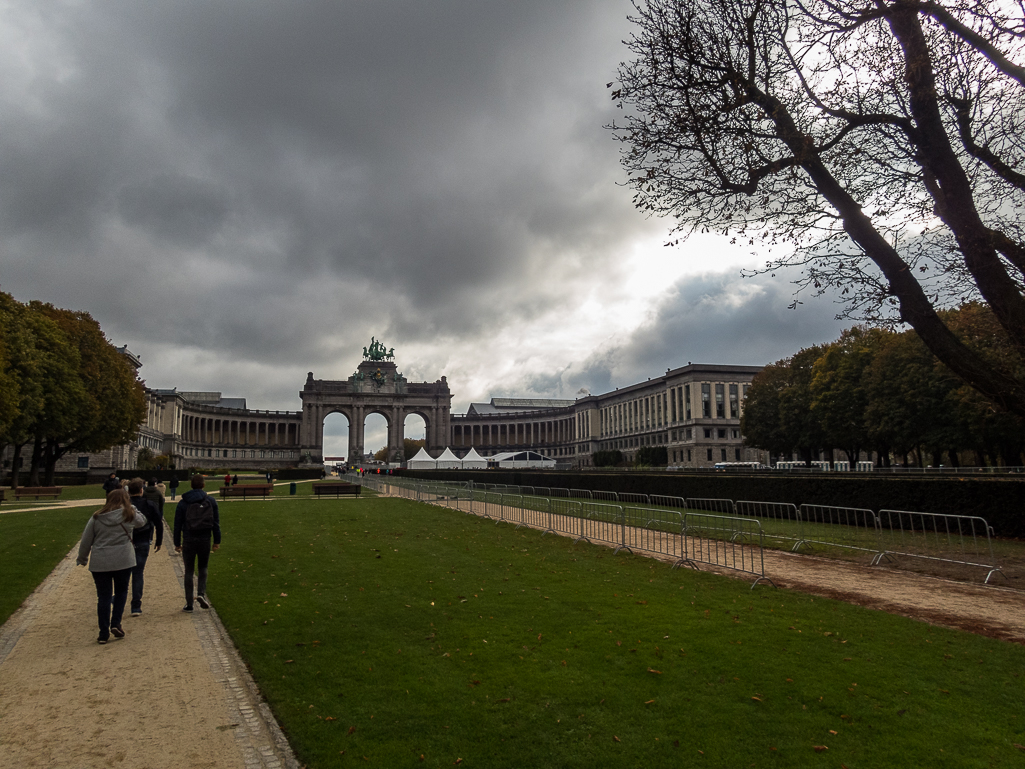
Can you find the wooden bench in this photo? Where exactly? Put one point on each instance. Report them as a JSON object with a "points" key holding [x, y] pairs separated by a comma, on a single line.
{"points": [[338, 489], [38, 491], [247, 490]]}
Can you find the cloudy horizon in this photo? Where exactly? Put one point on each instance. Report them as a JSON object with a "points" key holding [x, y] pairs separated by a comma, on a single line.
{"points": [[246, 191]]}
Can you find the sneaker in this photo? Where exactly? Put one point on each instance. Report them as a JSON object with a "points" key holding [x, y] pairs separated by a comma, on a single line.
{"points": [[188, 609], [101, 641], [136, 612], [117, 631], [203, 602]]}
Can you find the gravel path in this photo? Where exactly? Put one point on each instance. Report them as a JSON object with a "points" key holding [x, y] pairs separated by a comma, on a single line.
{"points": [[172, 694]]}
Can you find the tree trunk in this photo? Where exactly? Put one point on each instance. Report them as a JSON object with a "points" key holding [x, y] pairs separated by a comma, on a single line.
{"points": [[16, 465], [33, 473]]}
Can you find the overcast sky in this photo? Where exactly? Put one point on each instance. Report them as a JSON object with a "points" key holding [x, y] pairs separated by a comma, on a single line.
{"points": [[243, 191]]}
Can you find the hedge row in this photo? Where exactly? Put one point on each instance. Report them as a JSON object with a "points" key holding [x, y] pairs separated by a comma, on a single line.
{"points": [[998, 500]]}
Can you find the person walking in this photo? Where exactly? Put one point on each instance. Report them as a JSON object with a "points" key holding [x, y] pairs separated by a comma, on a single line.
{"points": [[174, 487], [234, 480], [107, 548], [142, 539], [196, 519], [112, 482], [154, 492], [227, 479]]}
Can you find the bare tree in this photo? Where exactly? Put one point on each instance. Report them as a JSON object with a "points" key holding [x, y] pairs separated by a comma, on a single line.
{"points": [[878, 145]]}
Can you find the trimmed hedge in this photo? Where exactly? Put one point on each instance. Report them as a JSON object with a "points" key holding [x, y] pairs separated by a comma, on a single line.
{"points": [[999, 501]]}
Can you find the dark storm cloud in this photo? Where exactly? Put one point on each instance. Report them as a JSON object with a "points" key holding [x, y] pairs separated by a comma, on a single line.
{"points": [[440, 154], [260, 186]]}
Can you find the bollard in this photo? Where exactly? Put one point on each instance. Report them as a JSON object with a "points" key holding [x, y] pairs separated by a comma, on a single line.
{"points": [[291, 488]]}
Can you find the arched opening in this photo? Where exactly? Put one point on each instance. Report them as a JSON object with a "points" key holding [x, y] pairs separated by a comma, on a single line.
{"points": [[414, 435], [336, 438], [375, 434]]}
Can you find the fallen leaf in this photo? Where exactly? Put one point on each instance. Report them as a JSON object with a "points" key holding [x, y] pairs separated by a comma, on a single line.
{"points": [[649, 702], [284, 595], [831, 731], [458, 760], [1019, 747], [616, 738], [351, 729], [819, 748], [330, 718], [506, 699], [757, 698], [287, 661], [652, 670]]}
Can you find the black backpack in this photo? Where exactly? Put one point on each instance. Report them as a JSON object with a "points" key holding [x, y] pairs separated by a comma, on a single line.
{"points": [[199, 516]]}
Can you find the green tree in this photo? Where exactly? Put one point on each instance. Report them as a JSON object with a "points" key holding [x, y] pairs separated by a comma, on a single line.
{"points": [[610, 458], [411, 447], [43, 364], [651, 456], [839, 399], [105, 404], [876, 144]]}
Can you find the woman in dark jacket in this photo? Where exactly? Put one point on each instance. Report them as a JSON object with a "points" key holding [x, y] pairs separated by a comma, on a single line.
{"points": [[107, 547]]}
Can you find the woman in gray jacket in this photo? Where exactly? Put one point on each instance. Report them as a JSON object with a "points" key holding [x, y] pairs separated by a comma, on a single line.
{"points": [[108, 536]]}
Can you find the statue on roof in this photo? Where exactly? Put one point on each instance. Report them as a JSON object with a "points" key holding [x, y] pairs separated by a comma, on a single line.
{"points": [[377, 351]]}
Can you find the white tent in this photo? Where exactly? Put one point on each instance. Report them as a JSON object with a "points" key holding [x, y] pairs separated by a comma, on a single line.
{"points": [[474, 461], [521, 459], [448, 460], [422, 461]]}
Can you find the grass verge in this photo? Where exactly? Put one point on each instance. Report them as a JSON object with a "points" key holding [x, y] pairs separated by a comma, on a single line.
{"points": [[32, 543], [404, 634]]}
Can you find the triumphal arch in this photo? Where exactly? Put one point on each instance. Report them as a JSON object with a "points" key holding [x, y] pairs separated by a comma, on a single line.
{"points": [[376, 387]]}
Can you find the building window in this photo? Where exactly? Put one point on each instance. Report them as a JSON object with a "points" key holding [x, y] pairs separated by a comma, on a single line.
{"points": [[734, 404], [706, 400], [722, 432], [672, 399], [720, 405], [709, 455], [688, 455], [689, 434], [234, 453], [722, 452], [736, 433], [736, 453], [708, 432], [686, 399], [83, 463]]}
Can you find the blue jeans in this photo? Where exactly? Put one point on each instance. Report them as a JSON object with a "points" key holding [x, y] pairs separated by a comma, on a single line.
{"points": [[138, 580], [111, 595], [195, 552]]}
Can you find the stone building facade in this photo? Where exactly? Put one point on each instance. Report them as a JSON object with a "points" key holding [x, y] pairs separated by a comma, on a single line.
{"points": [[694, 411]]}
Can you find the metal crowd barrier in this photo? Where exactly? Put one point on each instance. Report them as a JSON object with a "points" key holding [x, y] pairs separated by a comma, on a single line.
{"points": [[951, 539], [663, 524], [725, 541]]}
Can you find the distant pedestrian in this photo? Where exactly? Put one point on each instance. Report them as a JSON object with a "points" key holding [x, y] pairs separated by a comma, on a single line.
{"points": [[234, 480], [107, 547], [227, 479], [154, 492], [142, 538], [112, 482], [195, 520], [174, 486], [268, 477]]}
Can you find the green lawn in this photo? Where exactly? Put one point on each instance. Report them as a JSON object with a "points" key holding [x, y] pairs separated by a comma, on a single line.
{"points": [[386, 630], [32, 543]]}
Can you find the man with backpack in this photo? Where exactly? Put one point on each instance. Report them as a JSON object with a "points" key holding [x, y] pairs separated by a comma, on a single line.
{"points": [[195, 519], [142, 538]]}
